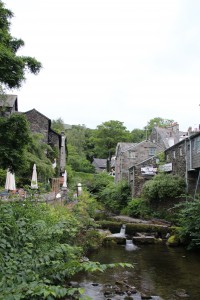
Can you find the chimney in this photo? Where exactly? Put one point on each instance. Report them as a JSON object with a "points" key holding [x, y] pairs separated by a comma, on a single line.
{"points": [[175, 127]]}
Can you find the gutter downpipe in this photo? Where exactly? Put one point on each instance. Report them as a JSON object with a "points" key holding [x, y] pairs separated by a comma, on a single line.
{"points": [[186, 168]]}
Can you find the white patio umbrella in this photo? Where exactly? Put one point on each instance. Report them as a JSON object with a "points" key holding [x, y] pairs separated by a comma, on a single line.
{"points": [[10, 181], [65, 180], [79, 189], [34, 183]]}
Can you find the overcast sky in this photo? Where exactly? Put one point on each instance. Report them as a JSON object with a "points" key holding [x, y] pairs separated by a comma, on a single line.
{"points": [[125, 60]]}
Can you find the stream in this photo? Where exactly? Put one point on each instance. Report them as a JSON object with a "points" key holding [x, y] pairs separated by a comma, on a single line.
{"points": [[159, 271]]}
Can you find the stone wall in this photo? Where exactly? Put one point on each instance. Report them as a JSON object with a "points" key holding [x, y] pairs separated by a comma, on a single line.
{"points": [[38, 124], [137, 179]]}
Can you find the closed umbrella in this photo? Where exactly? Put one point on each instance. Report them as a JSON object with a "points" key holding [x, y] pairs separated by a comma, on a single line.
{"points": [[79, 189], [65, 180], [34, 183], [10, 181]]}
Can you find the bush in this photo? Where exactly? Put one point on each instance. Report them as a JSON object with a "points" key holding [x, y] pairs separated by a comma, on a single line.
{"points": [[138, 208], [100, 182], [116, 196], [189, 221], [163, 186]]}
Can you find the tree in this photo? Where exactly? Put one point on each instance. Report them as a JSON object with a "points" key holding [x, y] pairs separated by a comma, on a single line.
{"points": [[78, 162], [15, 138], [158, 122], [76, 136], [58, 125], [106, 137], [13, 67], [138, 135]]}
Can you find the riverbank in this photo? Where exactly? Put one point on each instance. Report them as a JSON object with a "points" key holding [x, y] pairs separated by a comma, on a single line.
{"points": [[160, 272]]}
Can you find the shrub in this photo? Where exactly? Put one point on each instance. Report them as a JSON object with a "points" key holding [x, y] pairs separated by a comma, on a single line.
{"points": [[138, 208], [100, 182], [163, 186], [189, 221], [116, 196]]}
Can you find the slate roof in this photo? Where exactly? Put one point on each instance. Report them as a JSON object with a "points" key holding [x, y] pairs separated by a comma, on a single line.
{"points": [[165, 133], [31, 110], [100, 163]]}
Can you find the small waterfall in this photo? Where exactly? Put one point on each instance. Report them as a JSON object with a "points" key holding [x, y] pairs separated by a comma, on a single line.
{"points": [[122, 232], [130, 246]]}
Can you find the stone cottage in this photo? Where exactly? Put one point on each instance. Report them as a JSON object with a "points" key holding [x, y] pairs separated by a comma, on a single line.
{"points": [[129, 154], [39, 123]]}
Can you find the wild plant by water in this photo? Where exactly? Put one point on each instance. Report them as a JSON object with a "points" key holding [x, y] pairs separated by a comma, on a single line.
{"points": [[38, 252]]}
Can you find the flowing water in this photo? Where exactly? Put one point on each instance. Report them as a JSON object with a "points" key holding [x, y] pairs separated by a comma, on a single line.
{"points": [[159, 270]]}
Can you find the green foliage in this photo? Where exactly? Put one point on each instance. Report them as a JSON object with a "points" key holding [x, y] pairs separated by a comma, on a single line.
{"points": [[106, 137], [137, 208], [78, 162], [101, 180], [58, 125], [163, 186], [158, 122], [34, 255], [86, 208], [77, 136], [116, 196], [15, 138], [13, 67], [2, 177], [36, 152], [189, 221], [161, 157], [39, 252], [138, 135]]}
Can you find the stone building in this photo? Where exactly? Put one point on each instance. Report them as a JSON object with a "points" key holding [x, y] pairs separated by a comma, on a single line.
{"points": [[39, 123], [104, 165], [100, 164], [182, 159], [129, 154]]}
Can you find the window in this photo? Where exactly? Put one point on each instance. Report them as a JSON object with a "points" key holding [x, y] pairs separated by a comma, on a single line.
{"points": [[152, 151], [174, 154]]}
